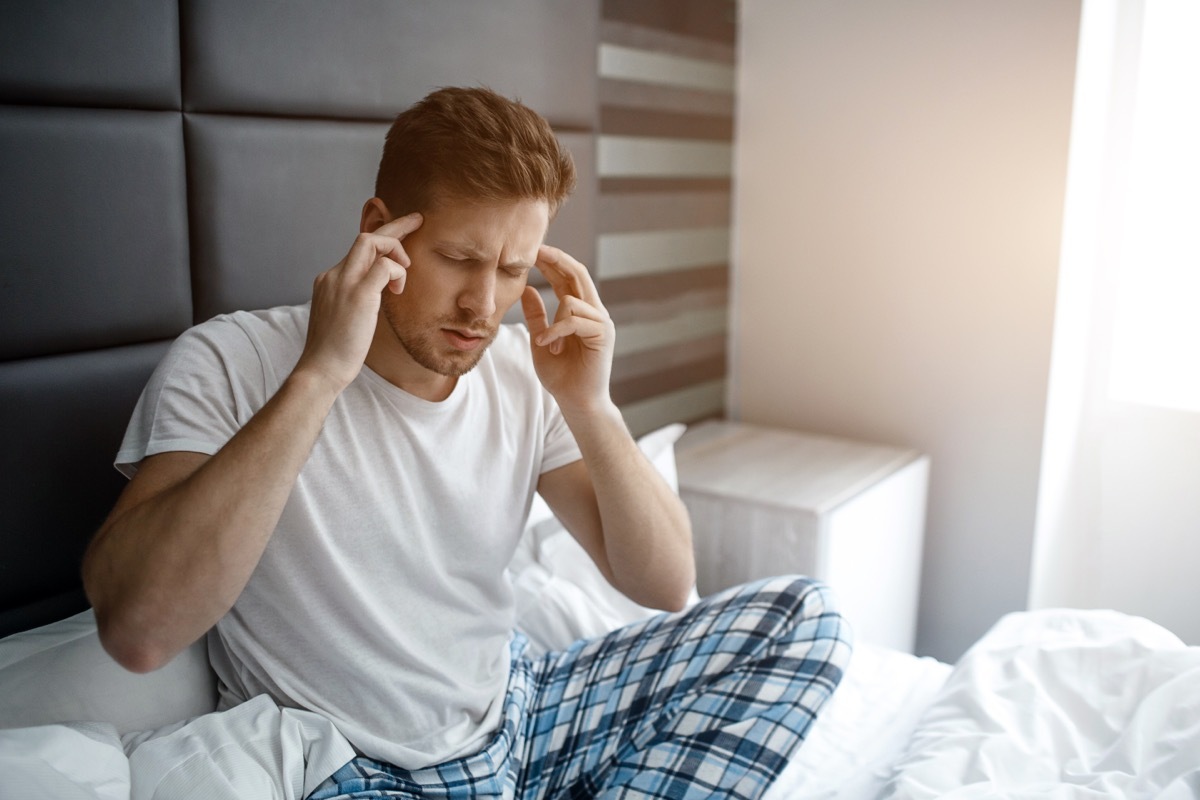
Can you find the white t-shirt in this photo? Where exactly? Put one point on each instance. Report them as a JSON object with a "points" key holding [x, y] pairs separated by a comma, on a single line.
{"points": [[381, 600]]}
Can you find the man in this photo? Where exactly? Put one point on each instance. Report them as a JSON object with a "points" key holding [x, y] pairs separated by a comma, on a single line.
{"points": [[332, 492]]}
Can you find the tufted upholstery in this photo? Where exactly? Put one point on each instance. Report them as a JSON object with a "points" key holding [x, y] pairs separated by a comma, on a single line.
{"points": [[162, 162]]}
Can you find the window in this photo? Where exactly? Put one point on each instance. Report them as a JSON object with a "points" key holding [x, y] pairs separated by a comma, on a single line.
{"points": [[1156, 333]]}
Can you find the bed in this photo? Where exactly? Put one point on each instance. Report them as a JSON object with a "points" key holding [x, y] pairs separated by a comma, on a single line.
{"points": [[1057, 703], [145, 148]]}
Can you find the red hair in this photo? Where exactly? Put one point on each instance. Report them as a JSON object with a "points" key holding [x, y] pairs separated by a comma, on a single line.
{"points": [[474, 145]]}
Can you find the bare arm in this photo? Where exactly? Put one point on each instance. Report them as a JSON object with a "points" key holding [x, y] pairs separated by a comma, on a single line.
{"points": [[188, 531], [613, 501], [625, 515]]}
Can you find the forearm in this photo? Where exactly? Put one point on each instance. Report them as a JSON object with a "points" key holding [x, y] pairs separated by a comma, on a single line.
{"points": [[163, 571], [638, 533], [646, 531]]}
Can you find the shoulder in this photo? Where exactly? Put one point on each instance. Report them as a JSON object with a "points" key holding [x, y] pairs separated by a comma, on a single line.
{"points": [[283, 323], [250, 333], [248, 348]]}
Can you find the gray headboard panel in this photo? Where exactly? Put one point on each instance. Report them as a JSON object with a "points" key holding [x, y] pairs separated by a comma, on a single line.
{"points": [[165, 161], [312, 58], [269, 199], [61, 426], [82, 190], [83, 53]]}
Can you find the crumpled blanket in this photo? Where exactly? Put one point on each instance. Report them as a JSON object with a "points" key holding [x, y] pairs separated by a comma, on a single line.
{"points": [[1070, 705]]}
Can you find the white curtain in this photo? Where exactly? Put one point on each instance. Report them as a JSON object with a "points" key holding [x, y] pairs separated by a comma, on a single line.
{"points": [[1119, 503]]}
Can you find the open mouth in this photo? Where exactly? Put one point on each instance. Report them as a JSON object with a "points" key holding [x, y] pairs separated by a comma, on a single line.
{"points": [[464, 340]]}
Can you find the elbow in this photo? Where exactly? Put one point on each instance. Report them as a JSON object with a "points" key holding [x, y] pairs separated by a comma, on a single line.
{"points": [[134, 656], [123, 633], [679, 597], [138, 662], [682, 590], [675, 588], [668, 588], [134, 651], [674, 594], [674, 604]]}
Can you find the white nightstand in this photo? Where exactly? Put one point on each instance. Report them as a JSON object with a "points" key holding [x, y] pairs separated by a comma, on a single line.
{"points": [[765, 501]]}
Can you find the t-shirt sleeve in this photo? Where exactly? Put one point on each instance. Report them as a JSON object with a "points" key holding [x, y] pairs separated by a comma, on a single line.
{"points": [[204, 390]]}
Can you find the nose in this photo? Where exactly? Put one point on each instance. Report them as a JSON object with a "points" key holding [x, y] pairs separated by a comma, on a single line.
{"points": [[479, 295]]}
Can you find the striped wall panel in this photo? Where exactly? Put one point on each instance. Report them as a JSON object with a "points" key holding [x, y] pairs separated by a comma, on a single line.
{"points": [[664, 160]]}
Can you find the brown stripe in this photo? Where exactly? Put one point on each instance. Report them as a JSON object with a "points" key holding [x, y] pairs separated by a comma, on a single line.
{"points": [[645, 211], [621, 121], [650, 361], [646, 310], [703, 19], [652, 96], [659, 41], [663, 286], [632, 185], [668, 380]]}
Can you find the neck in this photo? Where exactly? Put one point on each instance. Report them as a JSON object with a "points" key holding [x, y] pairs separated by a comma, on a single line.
{"points": [[389, 359]]}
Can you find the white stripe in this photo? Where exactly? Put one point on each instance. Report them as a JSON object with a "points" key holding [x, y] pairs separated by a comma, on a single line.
{"points": [[646, 66], [643, 156], [634, 337], [619, 255], [690, 403]]}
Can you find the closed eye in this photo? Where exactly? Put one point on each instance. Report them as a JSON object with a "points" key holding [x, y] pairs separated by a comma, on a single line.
{"points": [[514, 270]]}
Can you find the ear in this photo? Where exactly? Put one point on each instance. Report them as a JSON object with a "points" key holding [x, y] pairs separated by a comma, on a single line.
{"points": [[374, 213]]}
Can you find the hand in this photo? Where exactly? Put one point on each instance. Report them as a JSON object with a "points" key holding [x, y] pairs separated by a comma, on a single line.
{"points": [[573, 356], [346, 300]]}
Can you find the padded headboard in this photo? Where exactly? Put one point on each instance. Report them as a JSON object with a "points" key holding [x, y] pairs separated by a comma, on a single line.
{"points": [[163, 161]]}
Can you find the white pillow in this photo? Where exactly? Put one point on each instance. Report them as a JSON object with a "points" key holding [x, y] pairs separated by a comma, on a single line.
{"points": [[561, 594], [66, 762], [253, 750], [60, 673]]}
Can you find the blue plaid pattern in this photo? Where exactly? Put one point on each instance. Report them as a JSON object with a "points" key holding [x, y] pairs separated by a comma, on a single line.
{"points": [[709, 702]]}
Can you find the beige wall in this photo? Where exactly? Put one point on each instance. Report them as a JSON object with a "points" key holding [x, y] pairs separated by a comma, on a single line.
{"points": [[899, 180]]}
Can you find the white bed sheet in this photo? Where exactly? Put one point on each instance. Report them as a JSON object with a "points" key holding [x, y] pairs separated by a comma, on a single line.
{"points": [[1069, 705], [863, 729]]}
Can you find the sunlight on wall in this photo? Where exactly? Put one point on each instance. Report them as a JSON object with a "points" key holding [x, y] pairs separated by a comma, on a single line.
{"points": [[1156, 339]]}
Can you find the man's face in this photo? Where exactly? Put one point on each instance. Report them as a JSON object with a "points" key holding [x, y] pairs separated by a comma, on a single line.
{"points": [[470, 262]]}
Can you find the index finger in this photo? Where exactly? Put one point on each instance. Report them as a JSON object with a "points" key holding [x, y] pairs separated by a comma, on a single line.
{"points": [[392, 235], [567, 275], [401, 226]]}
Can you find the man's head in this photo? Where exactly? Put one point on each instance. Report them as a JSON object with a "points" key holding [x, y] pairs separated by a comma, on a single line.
{"points": [[473, 145], [487, 175]]}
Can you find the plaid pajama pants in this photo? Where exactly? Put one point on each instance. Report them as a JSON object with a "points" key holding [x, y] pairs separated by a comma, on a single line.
{"points": [[708, 702]]}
